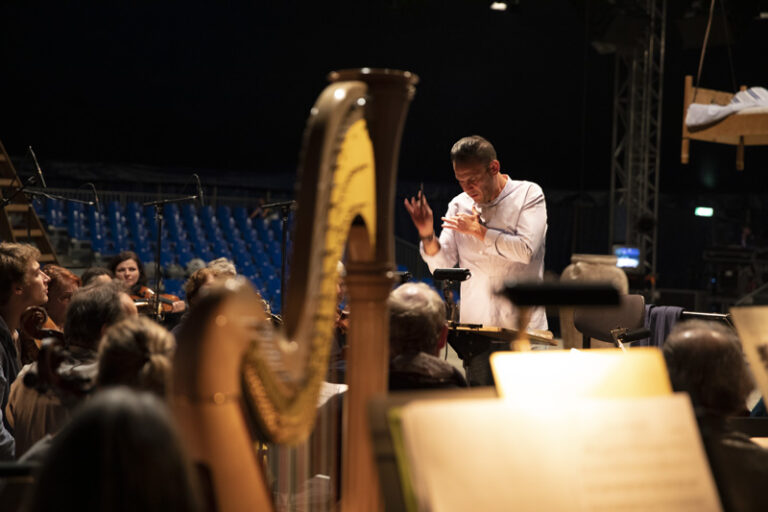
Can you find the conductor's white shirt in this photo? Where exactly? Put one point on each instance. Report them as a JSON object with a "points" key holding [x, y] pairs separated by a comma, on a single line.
{"points": [[513, 249]]}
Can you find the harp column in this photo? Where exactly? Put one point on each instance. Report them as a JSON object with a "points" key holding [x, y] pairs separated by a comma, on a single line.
{"points": [[369, 281]]}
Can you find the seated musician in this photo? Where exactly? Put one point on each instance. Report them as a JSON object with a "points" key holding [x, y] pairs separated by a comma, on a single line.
{"points": [[129, 269], [705, 360], [33, 413], [97, 274], [134, 352], [417, 332], [61, 286], [496, 228], [120, 452], [222, 267], [22, 284]]}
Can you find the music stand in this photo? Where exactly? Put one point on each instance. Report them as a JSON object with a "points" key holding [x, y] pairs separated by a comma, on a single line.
{"points": [[469, 340]]}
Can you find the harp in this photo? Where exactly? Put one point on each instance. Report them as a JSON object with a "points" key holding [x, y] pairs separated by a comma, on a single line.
{"points": [[237, 378]]}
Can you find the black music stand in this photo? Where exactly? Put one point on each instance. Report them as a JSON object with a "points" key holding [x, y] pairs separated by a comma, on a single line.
{"points": [[469, 340]]}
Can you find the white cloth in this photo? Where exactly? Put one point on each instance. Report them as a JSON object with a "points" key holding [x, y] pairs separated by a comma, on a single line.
{"points": [[701, 114], [513, 249]]}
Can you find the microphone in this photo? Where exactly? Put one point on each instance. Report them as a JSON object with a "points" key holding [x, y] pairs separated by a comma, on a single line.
{"points": [[95, 197], [40, 179], [451, 274], [200, 196]]}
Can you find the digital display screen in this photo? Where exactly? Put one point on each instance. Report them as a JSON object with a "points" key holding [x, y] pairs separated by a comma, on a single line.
{"points": [[627, 257]]}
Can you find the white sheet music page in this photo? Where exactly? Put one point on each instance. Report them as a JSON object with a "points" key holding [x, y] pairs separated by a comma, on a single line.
{"points": [[630, 454], [752, 326]]}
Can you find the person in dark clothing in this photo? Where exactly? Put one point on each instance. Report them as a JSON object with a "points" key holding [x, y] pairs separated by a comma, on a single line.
{"points": [[417, 332], [705, 360], [120, 452]]}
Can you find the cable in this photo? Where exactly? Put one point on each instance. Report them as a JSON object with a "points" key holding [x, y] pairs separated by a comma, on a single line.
{"points": [[703, 50]]}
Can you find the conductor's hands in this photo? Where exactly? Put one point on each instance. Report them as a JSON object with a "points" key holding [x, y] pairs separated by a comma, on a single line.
{"points": [[467, 223], [421, 214]]}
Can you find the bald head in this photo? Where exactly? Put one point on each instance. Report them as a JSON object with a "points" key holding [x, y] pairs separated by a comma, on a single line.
{"points": [[705, 360]]}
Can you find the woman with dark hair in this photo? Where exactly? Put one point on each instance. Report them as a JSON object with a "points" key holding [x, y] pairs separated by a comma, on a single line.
{"points": [[121, 452], [129, 269]]}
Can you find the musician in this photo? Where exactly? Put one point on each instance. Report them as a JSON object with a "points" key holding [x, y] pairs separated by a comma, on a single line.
{"points": [[496, 228], [417, 332], [705, 360], [61, 286], [92, 309], [22, 284], [97, 274], [128, 268], [136, 352], [121, 452], [222, 267]]}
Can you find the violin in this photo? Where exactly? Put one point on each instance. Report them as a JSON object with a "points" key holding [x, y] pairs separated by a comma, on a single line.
{"points": [[50, 356], [157, 305], [34, 327]]}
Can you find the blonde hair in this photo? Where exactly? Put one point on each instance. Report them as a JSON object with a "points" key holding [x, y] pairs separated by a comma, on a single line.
{"points": [[136, 352]]}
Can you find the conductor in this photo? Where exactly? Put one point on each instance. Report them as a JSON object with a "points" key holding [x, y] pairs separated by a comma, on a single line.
{"points": [[496, 228]]}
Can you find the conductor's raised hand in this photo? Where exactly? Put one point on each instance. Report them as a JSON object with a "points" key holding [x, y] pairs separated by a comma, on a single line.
{"points": [[421, 214]]}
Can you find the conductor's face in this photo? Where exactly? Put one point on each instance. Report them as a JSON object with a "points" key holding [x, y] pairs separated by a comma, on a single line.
{"points": [[477, 180]]}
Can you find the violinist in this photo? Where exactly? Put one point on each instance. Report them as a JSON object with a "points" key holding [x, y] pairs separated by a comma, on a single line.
{"points": [[33, 414], [128, 268], [61, 286]]}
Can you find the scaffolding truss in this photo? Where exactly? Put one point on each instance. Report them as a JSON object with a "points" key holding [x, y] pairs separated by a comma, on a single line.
{"points": [[636, 140]]}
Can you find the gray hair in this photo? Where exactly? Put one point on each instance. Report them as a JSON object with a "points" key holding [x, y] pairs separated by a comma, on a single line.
{"points": [[222, 267], [416, 319]]}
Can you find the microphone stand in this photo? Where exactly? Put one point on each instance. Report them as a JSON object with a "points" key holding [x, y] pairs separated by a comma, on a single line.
{"points": [[33, 180], [285, 208], [451, 306], [158, 206]]}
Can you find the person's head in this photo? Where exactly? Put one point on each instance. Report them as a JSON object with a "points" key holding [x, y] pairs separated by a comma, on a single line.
{"points": [[705, 360], [136, 352], [416, 320], [21, 279], [476, 168], [97, 274], [92, 310], [222, 267], [129, 269], [196, 282], [341, 285], [121, 451], [61, 286]]}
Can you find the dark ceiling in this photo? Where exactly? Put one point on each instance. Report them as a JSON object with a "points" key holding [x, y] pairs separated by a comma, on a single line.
{"points": [[228, 85]]}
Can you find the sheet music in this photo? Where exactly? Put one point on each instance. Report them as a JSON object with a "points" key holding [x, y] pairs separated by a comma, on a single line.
{"points": [[559, 375], [751, 323], [631, 454]]}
